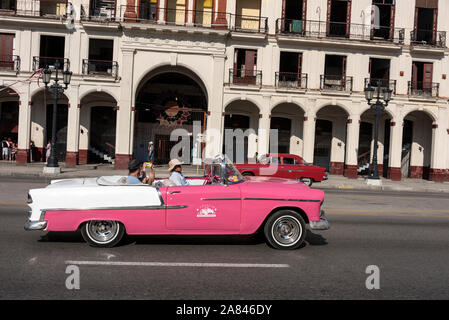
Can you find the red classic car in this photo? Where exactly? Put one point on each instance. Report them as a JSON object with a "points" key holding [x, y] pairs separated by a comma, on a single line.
{"points": [[284, 165]]}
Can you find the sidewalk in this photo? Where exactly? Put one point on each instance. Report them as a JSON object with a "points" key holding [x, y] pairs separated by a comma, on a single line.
{"points": [[35, 171]]}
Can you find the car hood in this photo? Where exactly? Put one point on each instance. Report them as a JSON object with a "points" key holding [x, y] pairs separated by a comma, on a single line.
{"points": [[279, 188]]}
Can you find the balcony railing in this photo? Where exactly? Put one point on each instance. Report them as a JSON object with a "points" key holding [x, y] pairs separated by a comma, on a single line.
{"points": [[95, 12], [336, 83], [10, 62], [384, 83], [181, 17], [428, 37], [43, 62], [100, 68], [249, 23], [245, 77], [311, 28], [423, 89], [37, 8], [291, 80]]}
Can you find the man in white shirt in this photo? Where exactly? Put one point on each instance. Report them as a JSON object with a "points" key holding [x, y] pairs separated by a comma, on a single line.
{"points": [[176, 176]]}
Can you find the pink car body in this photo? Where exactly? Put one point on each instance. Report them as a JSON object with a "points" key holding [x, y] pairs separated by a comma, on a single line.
{"points": [[203, 208]]}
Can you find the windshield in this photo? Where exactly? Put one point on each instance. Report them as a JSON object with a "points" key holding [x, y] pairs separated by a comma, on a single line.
{"points": [[224, 168]]}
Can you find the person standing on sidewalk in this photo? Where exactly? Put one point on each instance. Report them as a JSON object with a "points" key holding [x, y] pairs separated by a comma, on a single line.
{"points": [[9, 149], [150, 151]]}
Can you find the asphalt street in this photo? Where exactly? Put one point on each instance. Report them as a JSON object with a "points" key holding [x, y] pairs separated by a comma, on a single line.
{"points": [[404, 234]]}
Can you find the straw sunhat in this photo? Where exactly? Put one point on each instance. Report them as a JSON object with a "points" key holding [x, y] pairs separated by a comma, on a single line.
{"points": [[173, 163]]}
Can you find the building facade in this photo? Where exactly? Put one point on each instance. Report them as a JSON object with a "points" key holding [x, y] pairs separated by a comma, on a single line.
{"points": [[142, 68]]}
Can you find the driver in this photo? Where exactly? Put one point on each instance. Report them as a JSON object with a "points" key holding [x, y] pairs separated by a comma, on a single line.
{"points": [[176, 176]]}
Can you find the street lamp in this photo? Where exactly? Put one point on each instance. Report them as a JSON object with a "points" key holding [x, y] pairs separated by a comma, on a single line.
{"points": [[56, 90], [378, 106]]}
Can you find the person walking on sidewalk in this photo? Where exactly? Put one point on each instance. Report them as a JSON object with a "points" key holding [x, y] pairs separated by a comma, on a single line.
{"points": [[48, 147], [4, 149], [10, 144]]}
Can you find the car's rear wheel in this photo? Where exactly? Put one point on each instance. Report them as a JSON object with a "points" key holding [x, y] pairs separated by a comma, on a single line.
{"points": [[307, 181], [102, 233], [285, 229]]}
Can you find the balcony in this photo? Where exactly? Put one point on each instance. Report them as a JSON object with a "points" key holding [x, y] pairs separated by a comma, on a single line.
{"points": [[249, 23], [178, 17], [420, 89], [9, 63], [384, 84], [428, 37], [245, 77], [101, 68], [101, 11], [322, 29], [291, 80], [336, 83], [43, 62], [38, 8]]}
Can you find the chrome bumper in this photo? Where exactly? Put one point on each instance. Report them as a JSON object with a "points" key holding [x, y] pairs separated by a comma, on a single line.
{"points": [[322, 224], [35, 225]]}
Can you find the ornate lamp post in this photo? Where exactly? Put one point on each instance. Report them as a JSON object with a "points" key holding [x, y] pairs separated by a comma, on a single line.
{"points": [[378, 106], [56, 90]]}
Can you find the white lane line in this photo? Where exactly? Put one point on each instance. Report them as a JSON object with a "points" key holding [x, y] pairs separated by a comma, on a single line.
{"points": [[177, 264]]}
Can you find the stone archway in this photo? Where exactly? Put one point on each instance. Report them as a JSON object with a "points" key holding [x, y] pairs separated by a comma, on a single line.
{"points": [[330, 139], [241, 124], [169, 98], [9, 115], [288, 119]]}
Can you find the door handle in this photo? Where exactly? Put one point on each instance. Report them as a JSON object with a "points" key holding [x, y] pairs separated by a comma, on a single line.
{"points": [[172, 192]]}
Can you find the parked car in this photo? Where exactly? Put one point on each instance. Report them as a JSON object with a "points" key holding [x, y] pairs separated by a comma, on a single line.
{"points": [[284, 165], [223, 202]]}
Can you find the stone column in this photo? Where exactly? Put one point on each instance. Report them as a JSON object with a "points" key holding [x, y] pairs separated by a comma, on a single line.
{"points": [[439, 153], [73, 128], [84, 132], [125, 113], [337, 164], [263, 135], [215, 120], [131, 10], [394, 165], [23, 143], [309, 136], [352, 146]]}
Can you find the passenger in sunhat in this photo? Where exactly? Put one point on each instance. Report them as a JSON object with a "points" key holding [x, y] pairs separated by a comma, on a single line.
{"points": [[176, 176]]}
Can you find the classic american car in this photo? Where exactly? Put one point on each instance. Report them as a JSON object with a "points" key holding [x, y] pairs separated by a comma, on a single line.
{"points": [[223, 202], [285, 165]]}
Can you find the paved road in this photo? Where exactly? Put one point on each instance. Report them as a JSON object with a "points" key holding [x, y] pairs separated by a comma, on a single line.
{"points": [[405, 235]]}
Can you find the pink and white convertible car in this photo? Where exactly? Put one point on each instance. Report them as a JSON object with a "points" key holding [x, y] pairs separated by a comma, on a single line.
{"points": [[223, 202]]}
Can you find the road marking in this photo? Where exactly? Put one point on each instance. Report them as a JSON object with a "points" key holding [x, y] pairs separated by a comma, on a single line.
{"points": [[177, 264], [384, 213], [340, 195]]}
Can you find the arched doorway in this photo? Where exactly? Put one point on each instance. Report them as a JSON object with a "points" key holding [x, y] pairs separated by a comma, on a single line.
{"points": [[416, 145], [169, 98], [42, 122], [330, 139], [366, 143], [240, 130], [9, 114], [98, 118], [288, 119]]}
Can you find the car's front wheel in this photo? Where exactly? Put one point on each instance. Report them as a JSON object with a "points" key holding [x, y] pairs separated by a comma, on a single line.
{"points": [[102, 233], [307, 181], [285, 229]]}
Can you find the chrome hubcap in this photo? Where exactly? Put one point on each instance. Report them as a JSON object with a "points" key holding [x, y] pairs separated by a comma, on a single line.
{"points": [[287, 230], [102, 231]]}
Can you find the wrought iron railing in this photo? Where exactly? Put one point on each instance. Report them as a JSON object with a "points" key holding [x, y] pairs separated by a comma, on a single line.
{"points": [[312, 28], [428, 37], [100, 68], [43, 62], [384, 83], [10, 62], [423, 89], [37, 8], [336, 83], [151, 14], [291, 80], [245, 77], [99, 11], [248, 23]]}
